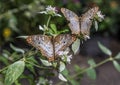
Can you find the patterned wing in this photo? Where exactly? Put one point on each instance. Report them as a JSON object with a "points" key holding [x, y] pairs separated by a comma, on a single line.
{"points": [[86, 21], [42, 43], [62, 41], [74, 20]]}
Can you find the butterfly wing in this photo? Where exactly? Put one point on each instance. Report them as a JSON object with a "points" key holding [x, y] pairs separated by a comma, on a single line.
{"points": [[42, 43], [63, 41], [86, 21], [74, 20]]}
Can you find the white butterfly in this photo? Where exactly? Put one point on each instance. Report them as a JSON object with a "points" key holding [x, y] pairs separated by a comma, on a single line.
{"points": [[80, 25], [51, 46]]}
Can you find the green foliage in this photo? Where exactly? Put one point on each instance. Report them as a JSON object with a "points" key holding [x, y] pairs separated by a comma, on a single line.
{"points": [[91, 72], [116, 65], [117, 56], [104, 49], [17, 49], [75, 46], [14, 71]]}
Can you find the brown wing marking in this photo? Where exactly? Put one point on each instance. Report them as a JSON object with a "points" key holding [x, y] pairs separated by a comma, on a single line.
{"points": [[42, 43], [63, 41], [86, 21], [74, 20]]}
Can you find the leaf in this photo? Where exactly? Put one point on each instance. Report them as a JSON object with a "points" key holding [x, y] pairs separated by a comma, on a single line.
{"points": [[23, 37], [65, 72], [4, 60], [30, 65], [74, 82], [116, 65], [61, 77], [77, 68], [96, 25], [75, 46], [12, 22], [46, 63], [91, 62], [17, 49], [63, 31], [104, 49], [1, 83], [14, 71], [91, 73], [54, 28], [117, 56], [62, 66]]}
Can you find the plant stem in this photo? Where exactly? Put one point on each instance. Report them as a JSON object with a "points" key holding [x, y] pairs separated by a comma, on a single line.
{"points": [[106, 60], [3, 69], [37, 65], [84, 70], [48, 20]]}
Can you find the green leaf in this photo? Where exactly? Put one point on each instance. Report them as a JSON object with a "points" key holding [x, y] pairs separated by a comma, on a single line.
{"points": [[62, 66], [30, 65], [74, 82], [91, 73], [104, 49], [12, 22], [65, 72], [1, 83], [63, 31], [96, 25], [23, 37], [4, 60], [61, 77], [17, 49], [75, 46], [91, 62], [77, 68], [117, 56], [46, 63], [14, 71], [116, 65], [54, 28]]}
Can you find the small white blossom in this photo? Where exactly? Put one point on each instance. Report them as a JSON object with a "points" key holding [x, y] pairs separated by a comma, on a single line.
{"points": [[50, 10], [41, 28], [100, 16], [86, 37], [64, 55], [69, 58], [44, 28]]}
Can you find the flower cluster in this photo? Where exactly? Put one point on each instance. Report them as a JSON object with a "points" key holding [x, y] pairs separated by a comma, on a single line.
{"points": [[64, 55], [100, 16], [51, 11]]}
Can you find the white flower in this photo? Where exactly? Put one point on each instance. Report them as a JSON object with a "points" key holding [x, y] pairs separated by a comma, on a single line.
{"points": [[69, 58], [50, 10], [64, 55], [41, 28], [44, 28], [100, 16], [86, 37]]}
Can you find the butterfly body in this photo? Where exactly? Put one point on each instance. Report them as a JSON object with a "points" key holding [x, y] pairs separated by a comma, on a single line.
{"points": [[80, 25], [51, 46]]}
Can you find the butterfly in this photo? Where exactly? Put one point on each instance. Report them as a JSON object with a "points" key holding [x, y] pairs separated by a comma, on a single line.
{"points": [[50, 46], [80, 25]]}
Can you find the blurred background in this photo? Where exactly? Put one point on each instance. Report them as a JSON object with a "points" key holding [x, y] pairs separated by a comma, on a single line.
{"points": [[20, 17]]}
